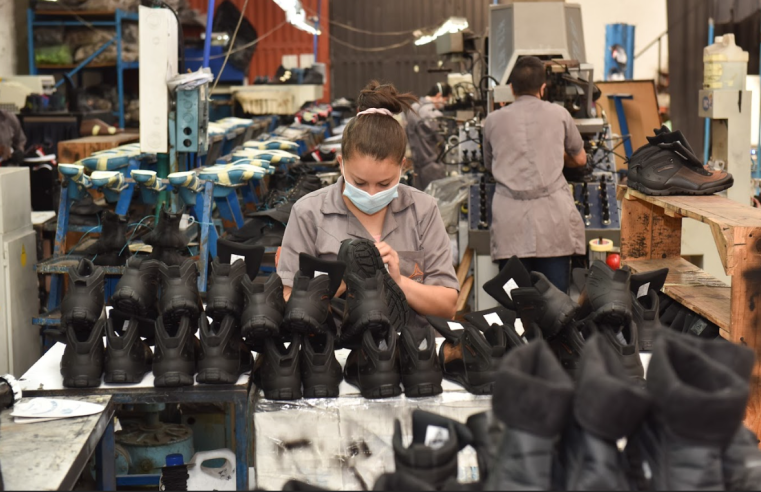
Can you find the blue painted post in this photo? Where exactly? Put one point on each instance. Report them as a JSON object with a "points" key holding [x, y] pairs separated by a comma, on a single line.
{"points": [[30, 40], [241, 444], [204, 247], [105, 460], [207, 41], [707, 132], [119, 67]]}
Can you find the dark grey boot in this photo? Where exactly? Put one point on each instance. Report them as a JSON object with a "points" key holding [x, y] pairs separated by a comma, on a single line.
{"points": [[532, 397], [607, 407]]}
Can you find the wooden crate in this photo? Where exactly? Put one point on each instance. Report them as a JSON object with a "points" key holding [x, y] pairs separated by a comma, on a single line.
{"points": [[651, 238], [70, 151]]}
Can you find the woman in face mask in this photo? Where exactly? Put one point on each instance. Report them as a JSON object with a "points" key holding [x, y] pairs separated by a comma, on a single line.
{"points": [[369, 202]]}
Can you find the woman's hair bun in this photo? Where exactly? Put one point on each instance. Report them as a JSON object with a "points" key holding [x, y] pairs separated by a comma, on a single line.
{"points": [[385, 96]]}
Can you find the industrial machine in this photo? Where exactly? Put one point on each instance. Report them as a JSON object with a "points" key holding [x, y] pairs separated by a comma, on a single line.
{"points": [[15, 89]]}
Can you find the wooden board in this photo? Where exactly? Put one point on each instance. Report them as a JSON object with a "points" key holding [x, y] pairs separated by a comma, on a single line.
{"points": [[462, 299], [641, 112], [70, 151], [693, 288], [50, 455]]}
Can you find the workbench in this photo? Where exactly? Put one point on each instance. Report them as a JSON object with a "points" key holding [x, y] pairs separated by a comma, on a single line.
{"points": [[44, 379], [52, 455]]}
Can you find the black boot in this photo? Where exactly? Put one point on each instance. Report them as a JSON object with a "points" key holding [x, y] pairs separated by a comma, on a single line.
{"points": [[544, 304], [363, 259], [606, 296], [174, 359], [128, 357], [223, 356], [527, 454], [606, 408], [365, 309], [136, 294], [432, 455], [277, 371], [374, 368], [646, 318], [421, 370], [314, 285], [468, 356], [321, 373], [225, 296], [741, 459], [263, 307], [169, 243], [698, 406], [512, 276], [228, 252], [179, 292], [82, 361], [624, 341], [111, 247], [82, 306]]}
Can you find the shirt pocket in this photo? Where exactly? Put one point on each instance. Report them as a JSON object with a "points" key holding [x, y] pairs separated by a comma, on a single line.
{"points": [[412, 265]]}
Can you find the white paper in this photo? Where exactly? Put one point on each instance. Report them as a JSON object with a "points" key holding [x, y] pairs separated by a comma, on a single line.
{"points": [[52, 408], [436, 437], [234, 258], [454, 325], [509, 286], [643, 290], [318, 274], [493, 319], [519, 327]]}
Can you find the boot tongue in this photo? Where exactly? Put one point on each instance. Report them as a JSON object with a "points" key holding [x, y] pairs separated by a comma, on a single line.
{"points": [[311, 266]]}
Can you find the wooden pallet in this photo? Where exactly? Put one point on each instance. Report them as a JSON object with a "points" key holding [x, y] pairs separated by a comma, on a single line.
{"points": [[651, 238]]}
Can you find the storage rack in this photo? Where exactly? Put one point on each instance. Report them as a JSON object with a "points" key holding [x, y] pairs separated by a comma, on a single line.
{"points": [[100, 18]]}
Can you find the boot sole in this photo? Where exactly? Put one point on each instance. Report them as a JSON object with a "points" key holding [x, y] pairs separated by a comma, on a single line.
{"points": [[260, 327], [81, 382], [614, 314], [283, 394], [422, 390], [369, 262], [680, 191], [389, 390], [321, 391], [377, 323], [482, 389], [173, 380], [123, 377], [298, 321], [80, 319], [216, 376], [221, 307]]}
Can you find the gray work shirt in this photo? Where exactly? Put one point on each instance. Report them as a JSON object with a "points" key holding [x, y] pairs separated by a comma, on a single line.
{"points": [[413, 227], [425, 141], [533, 212]]}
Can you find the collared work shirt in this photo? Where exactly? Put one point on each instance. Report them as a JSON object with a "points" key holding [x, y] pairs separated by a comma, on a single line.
{"points": [[424, 139], [321, 220], [533, 212]]}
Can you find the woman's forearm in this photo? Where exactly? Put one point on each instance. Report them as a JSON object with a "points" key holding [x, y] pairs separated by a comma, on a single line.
{"points": [[433, 300]]}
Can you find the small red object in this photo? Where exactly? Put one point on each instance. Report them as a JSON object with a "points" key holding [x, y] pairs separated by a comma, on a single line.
{"points": [[614, 261]]}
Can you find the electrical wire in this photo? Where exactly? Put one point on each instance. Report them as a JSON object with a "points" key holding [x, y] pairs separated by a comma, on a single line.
{"points": [[370, 50], [232, 43], [247, 45], [180, 34]]}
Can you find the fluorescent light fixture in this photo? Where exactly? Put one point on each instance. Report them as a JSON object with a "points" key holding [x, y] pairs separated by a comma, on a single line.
{"points": [[296, 16], [450, 26]]}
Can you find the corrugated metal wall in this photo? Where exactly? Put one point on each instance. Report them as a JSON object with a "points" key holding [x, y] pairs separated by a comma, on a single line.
{"points": [[352, 68], [265, 15]]}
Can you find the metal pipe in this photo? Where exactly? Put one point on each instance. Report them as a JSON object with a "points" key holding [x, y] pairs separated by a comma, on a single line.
{"points": [[707, 131], [207, 41], [314, 38]]}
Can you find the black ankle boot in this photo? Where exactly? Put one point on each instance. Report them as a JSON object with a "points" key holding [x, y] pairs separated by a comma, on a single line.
{"points": [[169, 243], [111, 247], [82, 306]]}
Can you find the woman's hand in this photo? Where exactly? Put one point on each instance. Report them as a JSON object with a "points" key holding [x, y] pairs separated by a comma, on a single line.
{"points": [[390, 258]]}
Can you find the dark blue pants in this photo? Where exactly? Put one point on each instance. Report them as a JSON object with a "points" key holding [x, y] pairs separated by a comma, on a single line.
{"points": [[557, 269]]}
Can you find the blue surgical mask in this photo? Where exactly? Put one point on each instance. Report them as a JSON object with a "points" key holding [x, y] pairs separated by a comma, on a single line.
{"points": [[367, 203]]}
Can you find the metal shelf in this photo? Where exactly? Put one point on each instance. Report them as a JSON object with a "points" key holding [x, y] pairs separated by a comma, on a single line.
{"points": [[62, 18]]}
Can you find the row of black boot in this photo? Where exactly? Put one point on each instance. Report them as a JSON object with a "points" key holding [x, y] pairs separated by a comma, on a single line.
{"points": [[682, 431], [385, 353], [621, 307]]}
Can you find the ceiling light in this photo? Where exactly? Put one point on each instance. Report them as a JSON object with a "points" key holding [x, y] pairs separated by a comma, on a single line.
{"points": [[450, 26], [296, 16]]}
